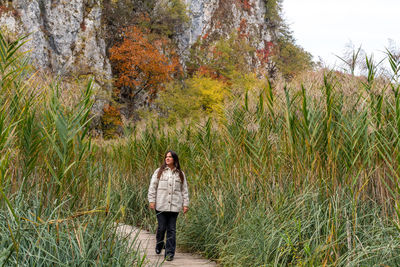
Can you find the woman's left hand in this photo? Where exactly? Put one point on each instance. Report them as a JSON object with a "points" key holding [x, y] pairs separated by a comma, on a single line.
{"points": [[185, 209]]}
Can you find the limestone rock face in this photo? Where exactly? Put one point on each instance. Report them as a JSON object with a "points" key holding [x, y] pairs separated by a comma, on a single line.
{"points": [[65, 39], [218, 18], [200, 14], [65, 35]]}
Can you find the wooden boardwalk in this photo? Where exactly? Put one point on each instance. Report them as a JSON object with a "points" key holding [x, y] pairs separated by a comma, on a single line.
{"points": [[146, 242]]}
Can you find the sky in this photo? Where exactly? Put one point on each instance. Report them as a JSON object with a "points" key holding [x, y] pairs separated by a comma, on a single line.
{"points": [[325, 27]]}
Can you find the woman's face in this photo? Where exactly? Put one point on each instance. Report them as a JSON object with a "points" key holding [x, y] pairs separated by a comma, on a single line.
{"points": [[169, 160]]}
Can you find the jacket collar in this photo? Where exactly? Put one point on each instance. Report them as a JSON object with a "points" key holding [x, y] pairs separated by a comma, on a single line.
{"points": [[168, 168]]}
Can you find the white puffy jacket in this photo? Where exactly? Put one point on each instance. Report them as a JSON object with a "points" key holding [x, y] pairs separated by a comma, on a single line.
{"points": [[168, 192]]}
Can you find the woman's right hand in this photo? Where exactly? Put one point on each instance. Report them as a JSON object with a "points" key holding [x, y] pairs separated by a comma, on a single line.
{"points": [[152, 205]]}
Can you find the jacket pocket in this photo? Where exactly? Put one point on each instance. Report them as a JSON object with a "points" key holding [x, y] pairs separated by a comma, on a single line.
{"points": [[178, 185], [162, 185]]}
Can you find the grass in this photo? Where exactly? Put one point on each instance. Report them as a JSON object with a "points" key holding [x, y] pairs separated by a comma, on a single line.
{"points": [[86, 240], [55, 206]]}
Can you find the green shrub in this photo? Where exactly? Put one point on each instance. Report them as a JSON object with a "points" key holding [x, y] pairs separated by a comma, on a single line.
{"points": [[273, 14], [221, 59], [169, 17], [291, 59]]}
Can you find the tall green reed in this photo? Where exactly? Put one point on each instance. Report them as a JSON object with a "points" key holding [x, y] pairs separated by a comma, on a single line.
{"points": [[293, 177], [54, 199]]}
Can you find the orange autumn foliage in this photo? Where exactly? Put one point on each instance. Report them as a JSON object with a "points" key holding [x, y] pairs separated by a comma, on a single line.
{"points": [[246, 5], [111, 122], [140, 64]]}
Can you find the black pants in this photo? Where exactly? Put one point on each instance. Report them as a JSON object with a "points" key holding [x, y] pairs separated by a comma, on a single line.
{"points": [[166, 223]]}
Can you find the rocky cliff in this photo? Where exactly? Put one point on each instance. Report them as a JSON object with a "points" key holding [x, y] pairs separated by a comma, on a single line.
{"points": [[213, 19], [65, 39], [67, 36]]}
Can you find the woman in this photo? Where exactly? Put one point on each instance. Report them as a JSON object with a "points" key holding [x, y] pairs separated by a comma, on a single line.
{"points": [[168, 194]]}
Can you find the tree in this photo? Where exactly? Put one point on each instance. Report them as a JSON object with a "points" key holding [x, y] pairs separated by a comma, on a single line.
{"points": [[140, 64], [197, 97], [352, 58], [169, 17], [221, 59], [273, 18], [291, 59]]}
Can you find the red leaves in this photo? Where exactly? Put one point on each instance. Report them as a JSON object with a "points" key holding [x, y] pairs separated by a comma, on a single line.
{"points": [[83, 25], [111, 115], [242, 29], [140, 63], [246, 5], [264, 54], [5, 9]]}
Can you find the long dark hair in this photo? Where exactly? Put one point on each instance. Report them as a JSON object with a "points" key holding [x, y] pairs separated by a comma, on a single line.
{"points": [[176, 164]]}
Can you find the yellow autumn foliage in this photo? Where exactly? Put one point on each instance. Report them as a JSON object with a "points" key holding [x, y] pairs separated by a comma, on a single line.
{"points": [[241, 83], [211, 92], [194, 98]]}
